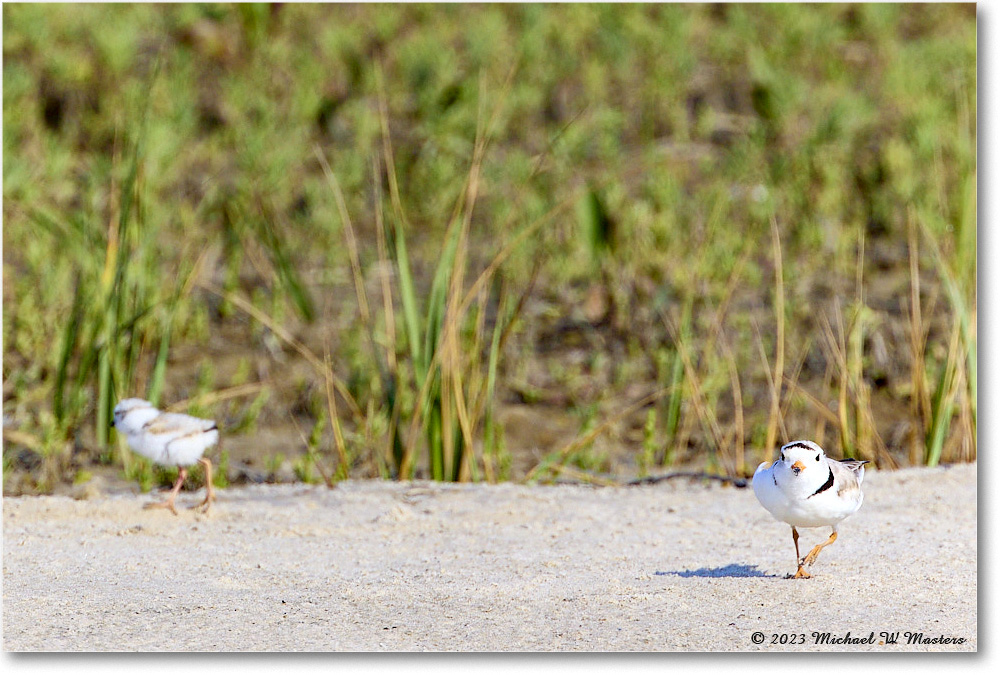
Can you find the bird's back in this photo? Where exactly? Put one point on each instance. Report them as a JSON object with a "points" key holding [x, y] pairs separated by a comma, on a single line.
{"points": [[177, 424], [175, 438]]}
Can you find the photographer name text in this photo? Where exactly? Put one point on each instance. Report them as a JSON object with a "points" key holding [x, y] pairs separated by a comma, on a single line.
{"points": [[872, 638]]}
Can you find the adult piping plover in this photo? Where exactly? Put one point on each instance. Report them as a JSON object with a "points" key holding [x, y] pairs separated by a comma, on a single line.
{"points": [[169, 439], [805, 488]]}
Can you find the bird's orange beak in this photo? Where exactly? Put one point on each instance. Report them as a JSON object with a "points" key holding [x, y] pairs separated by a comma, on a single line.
{"points": [[798, 466]]}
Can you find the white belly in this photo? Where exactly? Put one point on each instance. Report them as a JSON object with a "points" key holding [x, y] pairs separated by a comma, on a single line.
{"points": [[824, 509], [176, 450]]}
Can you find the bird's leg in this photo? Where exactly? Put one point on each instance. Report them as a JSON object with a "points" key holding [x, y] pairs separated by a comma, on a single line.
{"points": [[813, 554], [209, 490], [169, 503], [801, 573]]}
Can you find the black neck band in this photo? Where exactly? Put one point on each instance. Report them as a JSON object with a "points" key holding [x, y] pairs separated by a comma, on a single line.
{"points": [[825, 486]]}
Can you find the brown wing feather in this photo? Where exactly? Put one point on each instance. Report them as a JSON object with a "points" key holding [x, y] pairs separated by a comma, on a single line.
{"points": [[853, 464], [169, 423], [848, 473]]}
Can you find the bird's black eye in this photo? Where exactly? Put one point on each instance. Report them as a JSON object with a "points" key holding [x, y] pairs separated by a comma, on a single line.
{"points": [[817, 458], [782, 457]]}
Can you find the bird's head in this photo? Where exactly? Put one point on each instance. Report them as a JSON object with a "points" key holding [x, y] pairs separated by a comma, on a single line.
{"points": [[802, 456], [131, 413]]}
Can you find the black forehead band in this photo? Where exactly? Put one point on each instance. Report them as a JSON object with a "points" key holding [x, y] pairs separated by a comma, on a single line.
{"points": [[796, 445]]}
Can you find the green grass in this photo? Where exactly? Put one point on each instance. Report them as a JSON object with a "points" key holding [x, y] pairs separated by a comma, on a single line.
{"points": [[758, 220]]}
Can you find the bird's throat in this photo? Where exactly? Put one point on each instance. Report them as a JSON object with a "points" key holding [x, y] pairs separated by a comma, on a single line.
{"points": [[825, 486]]}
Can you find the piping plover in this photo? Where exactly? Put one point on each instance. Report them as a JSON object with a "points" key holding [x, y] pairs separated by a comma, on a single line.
{"points": [[169, 439], [805, 488]]}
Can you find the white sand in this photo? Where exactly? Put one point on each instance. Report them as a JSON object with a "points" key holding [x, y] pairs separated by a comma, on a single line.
{"points": [[417, 566]]}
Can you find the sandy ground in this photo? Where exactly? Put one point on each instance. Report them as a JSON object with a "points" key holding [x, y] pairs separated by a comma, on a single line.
{"points": [[417, 566]]}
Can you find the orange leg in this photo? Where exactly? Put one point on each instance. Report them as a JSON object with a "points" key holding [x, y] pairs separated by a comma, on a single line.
{"points": [[169, 503], [209, 490], [801, 573], [813, 554]]}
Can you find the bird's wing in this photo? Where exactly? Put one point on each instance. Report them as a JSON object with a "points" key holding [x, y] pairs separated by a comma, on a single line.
{"points": [[848, 474], [170, 424], [855, 465]]}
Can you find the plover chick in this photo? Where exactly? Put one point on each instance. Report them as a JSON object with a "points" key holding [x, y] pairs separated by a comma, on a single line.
{"points": [[168, 439]]}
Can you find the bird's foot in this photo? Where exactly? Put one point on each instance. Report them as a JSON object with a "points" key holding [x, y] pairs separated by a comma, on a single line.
{"points": [[206, 504], [802, 574], [811, 557], [169, 504], [202, 507]]}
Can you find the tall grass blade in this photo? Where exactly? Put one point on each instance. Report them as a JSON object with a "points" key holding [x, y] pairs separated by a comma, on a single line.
{"points": [[595, 223], [957, 298], [118, 263], [283, 265], [391, 380], [69, 343], [159, 375], [407, 294], [489, 429], [779, 356], [943, 403]]}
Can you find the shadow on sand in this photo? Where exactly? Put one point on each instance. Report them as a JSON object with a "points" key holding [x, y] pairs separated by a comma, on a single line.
{"points": [[719, 572]]}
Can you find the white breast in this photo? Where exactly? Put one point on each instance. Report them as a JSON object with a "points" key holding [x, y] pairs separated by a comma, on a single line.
{"points": [[781, 496], [174, 439]]}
